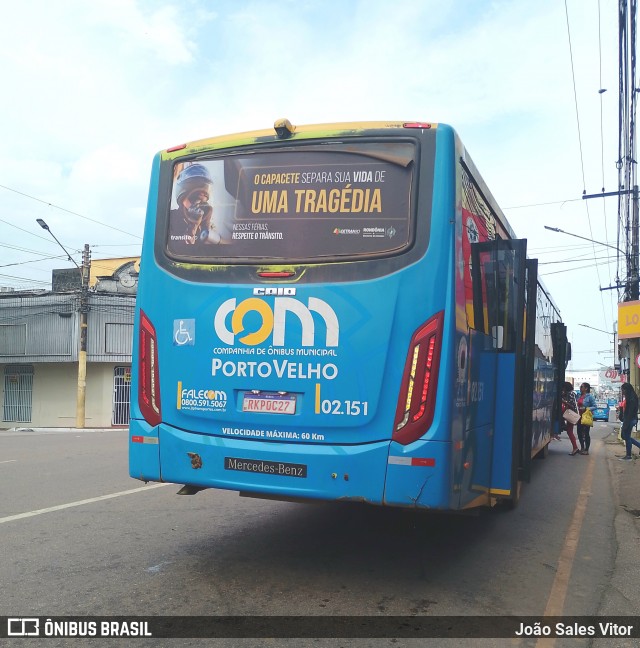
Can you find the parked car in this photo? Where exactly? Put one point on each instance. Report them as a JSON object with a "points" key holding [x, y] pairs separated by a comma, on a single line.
{"points": [[601, 411]]}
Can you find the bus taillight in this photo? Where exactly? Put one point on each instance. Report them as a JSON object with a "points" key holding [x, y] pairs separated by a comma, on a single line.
{"points": [[149, 374], [416, 403]]}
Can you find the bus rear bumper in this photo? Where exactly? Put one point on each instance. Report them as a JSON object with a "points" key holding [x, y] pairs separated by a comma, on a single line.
{"points": [[288, 470], [376, 473], [144, 451]]}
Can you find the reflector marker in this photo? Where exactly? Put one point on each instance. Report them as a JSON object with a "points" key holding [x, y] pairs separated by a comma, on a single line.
{"points": [[276, 275], [144, 439], [412, 461]]}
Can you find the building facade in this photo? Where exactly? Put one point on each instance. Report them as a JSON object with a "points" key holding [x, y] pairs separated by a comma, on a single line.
{"points": [[39, 343]]}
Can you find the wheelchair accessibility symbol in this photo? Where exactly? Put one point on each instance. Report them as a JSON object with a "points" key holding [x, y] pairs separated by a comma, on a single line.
{"points": [[184, 332]]}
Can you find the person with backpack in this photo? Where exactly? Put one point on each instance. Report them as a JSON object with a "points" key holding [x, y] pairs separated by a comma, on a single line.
{"points": [[586, 401]]}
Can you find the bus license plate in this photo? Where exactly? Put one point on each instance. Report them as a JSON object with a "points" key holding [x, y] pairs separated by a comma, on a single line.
{"points": [[269, 403]]}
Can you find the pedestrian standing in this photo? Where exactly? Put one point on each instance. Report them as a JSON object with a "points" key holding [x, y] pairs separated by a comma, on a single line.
{"points": [[569, 403], [586, 401], [629, 419]]}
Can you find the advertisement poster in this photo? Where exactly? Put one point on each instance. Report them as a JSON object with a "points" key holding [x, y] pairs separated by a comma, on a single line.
{"points": [[302, 203]]}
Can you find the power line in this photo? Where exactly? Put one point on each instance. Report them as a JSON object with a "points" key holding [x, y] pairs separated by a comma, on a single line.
{"points": [[601, 92], [24, 230], [543, 204], [554, 249], [575, 98], [25, 279], [574, 260], [21, 249], [59, 256], [115, 245], [93, 220], [592, 265], [584, 182]]}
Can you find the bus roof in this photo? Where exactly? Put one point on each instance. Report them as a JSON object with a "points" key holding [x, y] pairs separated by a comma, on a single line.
{"points": [[307, 131]]}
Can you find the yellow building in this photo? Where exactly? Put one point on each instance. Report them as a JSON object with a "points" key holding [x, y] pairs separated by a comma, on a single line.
{"points": [[108, 267]]}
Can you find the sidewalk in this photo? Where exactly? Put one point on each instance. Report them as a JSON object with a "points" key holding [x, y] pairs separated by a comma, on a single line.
{"points": [[621, 597]]}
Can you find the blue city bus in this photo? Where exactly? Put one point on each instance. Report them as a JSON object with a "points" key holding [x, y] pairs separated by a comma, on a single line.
{"points": [[339, 312]]}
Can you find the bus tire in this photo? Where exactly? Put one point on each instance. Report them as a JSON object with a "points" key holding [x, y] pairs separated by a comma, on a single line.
{"points": [[543, 453]]}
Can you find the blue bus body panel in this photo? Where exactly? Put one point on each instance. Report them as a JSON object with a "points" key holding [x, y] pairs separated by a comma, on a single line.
{"points": [[338, 389], [414, 485]]}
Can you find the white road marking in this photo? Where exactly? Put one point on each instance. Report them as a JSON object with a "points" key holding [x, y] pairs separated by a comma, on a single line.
{"points": [[9, 461], [61, 507]]}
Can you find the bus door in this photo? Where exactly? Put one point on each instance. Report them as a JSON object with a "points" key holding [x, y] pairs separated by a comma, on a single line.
{"points": [[499, 274], [528, 360], [561, 356]]}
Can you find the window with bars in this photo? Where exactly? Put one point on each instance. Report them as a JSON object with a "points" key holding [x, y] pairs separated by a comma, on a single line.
{"points": [[18, 393]]}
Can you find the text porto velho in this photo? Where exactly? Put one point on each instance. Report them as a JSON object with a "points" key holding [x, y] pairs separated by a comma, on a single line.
{"points": [[278, 368]]}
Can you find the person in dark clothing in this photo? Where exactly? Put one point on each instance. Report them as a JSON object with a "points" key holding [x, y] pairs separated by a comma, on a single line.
{"points": [[629, 419]]}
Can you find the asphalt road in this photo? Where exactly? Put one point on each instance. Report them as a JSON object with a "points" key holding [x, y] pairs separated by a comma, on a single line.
{"points": [[79, 537]]}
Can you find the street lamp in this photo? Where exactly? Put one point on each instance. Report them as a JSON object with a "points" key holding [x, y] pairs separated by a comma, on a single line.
{"points": [[46, 227], [613, 247], [608, 333], [584, 238], [597, 329]]}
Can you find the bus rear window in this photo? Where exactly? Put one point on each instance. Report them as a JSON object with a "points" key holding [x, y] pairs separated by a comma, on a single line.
{"points": [[301, 203]]}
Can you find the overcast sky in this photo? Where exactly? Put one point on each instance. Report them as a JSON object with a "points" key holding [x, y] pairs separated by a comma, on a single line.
{"points": [[92, 89]]}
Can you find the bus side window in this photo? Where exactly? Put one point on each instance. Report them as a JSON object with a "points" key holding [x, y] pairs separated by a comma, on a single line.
{"points": [[494, 295], [505, 296], [483, 286]]}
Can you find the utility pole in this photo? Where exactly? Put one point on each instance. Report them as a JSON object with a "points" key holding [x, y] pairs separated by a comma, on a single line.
{"points": [[627, 183], [82, 351], [632, 261], [632, 284]]}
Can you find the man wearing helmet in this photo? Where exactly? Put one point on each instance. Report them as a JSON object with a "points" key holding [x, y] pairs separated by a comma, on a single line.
{"points": [[191, 223]]}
